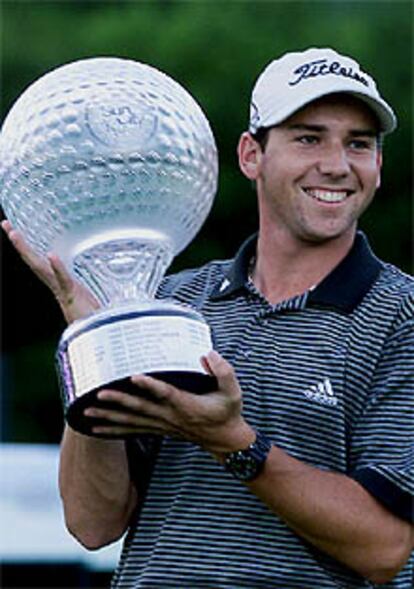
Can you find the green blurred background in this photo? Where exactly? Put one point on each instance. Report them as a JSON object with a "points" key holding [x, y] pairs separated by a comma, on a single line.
{"points": [[216, 50]]}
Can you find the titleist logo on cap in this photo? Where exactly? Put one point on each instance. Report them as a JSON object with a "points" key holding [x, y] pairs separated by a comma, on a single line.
{"points": [[321, 67], [296, 79]]}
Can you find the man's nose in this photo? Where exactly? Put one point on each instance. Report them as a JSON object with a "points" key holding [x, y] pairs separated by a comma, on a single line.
{"points": [[334, 161]]}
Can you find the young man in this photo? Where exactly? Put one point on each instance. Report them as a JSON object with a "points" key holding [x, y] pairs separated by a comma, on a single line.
{"points": [[295, 472]]}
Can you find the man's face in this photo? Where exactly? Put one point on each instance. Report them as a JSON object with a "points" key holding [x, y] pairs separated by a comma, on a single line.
{"points": [[320, 170]]}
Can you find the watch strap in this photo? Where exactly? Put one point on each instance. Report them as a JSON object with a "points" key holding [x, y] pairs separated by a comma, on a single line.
{"points": [[248, 463]]}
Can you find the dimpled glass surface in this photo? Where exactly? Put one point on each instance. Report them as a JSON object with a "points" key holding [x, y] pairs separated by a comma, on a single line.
{"points": [[107, 152]]}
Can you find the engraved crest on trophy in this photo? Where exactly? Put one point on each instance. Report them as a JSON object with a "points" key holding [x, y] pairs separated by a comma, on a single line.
{"points": [[112, 165]]}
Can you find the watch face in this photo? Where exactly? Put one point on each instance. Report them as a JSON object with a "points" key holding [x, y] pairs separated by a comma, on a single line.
{"points": [[241, 466], [247, 464]]}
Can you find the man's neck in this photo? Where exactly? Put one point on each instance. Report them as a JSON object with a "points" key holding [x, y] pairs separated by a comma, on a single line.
{"points": [[284, 268]]}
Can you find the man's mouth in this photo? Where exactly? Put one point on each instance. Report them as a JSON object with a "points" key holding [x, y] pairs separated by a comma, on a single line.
{"points": [[328, 195]]}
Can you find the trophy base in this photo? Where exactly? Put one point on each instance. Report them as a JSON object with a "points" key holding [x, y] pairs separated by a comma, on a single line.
{"points": [[191, 382], [157, 338]]}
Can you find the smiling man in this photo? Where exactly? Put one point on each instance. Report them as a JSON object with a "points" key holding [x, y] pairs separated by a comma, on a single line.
{"points": [[295, 472], [315, 173]]}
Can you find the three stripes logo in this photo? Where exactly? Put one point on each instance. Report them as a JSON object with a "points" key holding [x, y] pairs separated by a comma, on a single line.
{"points": [[322, 393]]}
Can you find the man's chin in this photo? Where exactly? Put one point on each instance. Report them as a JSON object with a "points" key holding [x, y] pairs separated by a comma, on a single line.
{"points": [[322, 237]]}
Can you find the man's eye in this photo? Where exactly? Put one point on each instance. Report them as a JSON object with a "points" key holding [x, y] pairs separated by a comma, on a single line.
{"points": [[361, 144], [307, 139]]}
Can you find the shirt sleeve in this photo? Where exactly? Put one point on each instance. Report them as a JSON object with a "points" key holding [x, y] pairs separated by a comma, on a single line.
{"points": [[382, 447]]}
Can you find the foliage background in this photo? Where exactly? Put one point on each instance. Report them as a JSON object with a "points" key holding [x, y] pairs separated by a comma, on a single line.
{"points": [[215, 48]]}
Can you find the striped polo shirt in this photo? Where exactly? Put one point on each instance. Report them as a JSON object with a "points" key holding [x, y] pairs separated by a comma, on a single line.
{"points": [[328, 377]]}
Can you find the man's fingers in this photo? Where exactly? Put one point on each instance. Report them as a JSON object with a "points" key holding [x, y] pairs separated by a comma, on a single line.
{"points": [[16, 238], [20, 244], [133, 403], [75, 299], [132, 415], [122, 417], [62, 275], [116, 431], [36, 262], [162, 391], [6, 226], [221, 369]]}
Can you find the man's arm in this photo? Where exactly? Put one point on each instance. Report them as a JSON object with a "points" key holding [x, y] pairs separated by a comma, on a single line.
{"points": [[337, 515], [330, 510], [97, 493], [98, 496]]}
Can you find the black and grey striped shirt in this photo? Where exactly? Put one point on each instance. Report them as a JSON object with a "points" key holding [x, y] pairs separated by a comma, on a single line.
{"points": [[328, 376]]}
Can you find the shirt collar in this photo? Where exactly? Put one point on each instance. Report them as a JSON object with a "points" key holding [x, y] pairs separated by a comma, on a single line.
{"points": [[344, 287], [237, 275]]}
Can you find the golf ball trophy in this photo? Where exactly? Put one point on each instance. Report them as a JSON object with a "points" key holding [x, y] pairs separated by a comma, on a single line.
{"points": [[112, 165]]}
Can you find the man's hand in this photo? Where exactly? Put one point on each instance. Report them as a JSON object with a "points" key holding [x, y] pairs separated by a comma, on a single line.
{"points": [[213, 420], [74, 299]]}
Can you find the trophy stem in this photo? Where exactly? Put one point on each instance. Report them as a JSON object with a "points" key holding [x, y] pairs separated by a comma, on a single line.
{"points": [[123, 270]]}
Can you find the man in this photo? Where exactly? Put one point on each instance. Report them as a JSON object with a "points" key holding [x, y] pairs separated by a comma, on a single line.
{"points": [[295, 472]]}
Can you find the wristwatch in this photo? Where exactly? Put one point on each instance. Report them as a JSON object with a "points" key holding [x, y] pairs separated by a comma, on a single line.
{"points": [[246, 465]]}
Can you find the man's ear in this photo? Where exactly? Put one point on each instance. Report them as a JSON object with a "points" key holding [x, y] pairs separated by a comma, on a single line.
{"points": [[379, 164], [250, 154]]}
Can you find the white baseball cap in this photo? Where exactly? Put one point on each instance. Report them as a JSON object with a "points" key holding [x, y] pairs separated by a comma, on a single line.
{"points": [[296, 79]]}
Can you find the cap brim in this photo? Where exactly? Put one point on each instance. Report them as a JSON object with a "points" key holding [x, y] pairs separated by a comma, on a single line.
{"points": [[384, 113]]}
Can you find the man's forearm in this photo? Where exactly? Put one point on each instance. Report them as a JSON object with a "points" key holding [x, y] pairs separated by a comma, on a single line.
{"points": [[335, 514], [95, 487], [328, 509]]}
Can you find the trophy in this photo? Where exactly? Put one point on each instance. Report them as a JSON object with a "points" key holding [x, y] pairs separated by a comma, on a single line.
{"points": [[112, 165]]}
